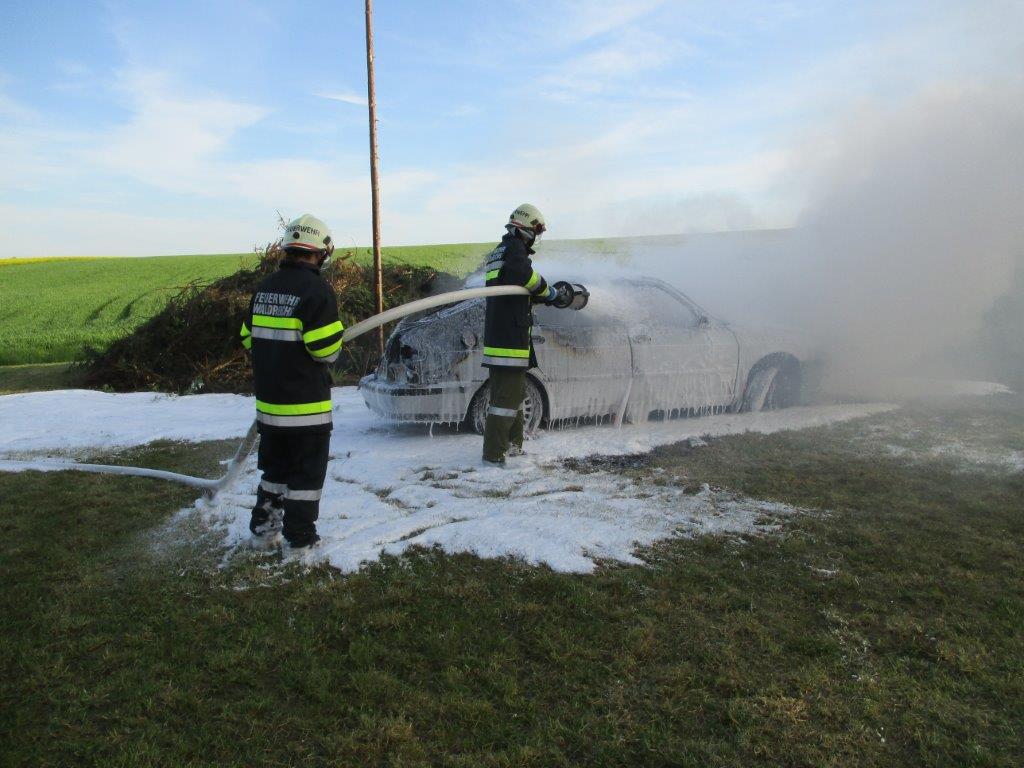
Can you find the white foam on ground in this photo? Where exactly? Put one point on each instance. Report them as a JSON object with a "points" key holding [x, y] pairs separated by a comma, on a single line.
{"points": [[1007, 461], [969, 446], [951, 387], [72, 420], [390, 487], [846, 383]]}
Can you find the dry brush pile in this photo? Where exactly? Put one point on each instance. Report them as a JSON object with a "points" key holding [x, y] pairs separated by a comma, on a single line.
{"points": [[192, 345]]}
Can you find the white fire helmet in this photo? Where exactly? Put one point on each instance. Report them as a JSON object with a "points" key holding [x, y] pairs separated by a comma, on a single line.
{"points": [[528, 217], [308, 233]]}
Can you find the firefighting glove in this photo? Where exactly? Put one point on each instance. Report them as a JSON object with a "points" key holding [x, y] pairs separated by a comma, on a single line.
{"points": [[547, 298]]}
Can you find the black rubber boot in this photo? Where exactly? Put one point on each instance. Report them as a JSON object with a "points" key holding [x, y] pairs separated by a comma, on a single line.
{"points": [[267, 516], [305, 541]]}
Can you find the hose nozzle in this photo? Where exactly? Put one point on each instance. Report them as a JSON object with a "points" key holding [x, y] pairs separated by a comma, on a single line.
{"points": [[571, 295]]}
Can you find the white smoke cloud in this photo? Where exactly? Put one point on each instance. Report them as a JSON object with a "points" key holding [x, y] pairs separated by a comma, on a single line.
{"points": [[913, 227], [915, 224]]}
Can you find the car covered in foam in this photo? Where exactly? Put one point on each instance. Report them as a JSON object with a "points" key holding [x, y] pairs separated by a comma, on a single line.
{"points": [[639, 349]]}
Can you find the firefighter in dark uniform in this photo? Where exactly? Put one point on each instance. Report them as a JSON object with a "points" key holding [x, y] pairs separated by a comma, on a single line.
{"points": [[508, 343], [293, 331]]}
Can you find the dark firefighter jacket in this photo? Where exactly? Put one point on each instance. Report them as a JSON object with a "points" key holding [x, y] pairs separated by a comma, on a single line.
{"points": [[293, 330], [508, 327]]}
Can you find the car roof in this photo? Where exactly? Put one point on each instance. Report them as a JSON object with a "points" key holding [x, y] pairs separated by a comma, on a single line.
{"points": [[476, 280]]}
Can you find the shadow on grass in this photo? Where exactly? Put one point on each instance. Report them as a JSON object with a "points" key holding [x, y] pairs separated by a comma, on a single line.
{"points": [[36, 377]]}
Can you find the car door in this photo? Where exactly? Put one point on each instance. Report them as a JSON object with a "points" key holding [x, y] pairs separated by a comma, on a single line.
{"points": [[682, 360], [584, 359]]}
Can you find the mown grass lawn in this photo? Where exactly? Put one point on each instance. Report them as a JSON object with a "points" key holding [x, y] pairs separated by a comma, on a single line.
{"points": [[887, 632]]}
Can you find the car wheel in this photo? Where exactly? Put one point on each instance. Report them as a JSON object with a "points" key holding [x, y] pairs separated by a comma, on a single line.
{"points": [[760, 392], [533, 408], [771, 387]]}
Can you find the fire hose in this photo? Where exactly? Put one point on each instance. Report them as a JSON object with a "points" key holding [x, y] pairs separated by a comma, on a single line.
{"points": [[570, 296]]}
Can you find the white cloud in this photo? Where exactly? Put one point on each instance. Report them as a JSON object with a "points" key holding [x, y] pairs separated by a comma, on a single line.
{"points": [[638, 150], [12, 111], [72, 68], [464, 110], [587, 19], [171, 141], [598, 185], [616, 64], [84, 231], [77, 78], [176, 142], [346, 97]]}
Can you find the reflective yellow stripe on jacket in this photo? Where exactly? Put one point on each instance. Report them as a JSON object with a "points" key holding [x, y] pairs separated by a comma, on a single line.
{"points": [[504, 356], [322, 333], [269, 321], [505, 352], [324, 343], [293, 409]]}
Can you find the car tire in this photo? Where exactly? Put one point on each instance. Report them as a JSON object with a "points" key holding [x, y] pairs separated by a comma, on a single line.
{"points": [[771, 387], [533, 408]]}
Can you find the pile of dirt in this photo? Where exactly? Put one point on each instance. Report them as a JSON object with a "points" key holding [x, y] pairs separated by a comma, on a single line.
{"points": [[193, 346]]}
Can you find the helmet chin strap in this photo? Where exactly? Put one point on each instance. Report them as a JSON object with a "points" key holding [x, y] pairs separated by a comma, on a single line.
{"points": [[527, 236], [325, 257]]}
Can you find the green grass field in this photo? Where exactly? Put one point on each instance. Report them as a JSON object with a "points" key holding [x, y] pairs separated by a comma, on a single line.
{"points": [[50, 309], [885, 633]]}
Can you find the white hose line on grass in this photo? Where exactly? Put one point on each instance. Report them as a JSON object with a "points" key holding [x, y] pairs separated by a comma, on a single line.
{"points": [[210, 485], [51, 465], [214, 486]]}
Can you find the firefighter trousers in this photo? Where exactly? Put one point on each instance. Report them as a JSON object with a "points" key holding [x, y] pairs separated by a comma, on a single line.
{"points": [[294, 467], [504, 412]]}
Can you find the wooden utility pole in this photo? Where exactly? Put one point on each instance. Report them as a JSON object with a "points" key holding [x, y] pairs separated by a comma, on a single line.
{"points": [[371, 100]]}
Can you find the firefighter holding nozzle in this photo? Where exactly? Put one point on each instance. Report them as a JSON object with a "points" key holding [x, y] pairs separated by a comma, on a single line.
{"points": [[508, 342]]}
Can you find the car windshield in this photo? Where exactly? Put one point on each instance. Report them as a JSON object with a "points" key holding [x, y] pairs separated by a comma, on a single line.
{"points": [[659, 307]]}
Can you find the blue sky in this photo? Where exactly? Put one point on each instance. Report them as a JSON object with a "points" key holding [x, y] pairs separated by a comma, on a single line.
{"points": [[141, 128]]}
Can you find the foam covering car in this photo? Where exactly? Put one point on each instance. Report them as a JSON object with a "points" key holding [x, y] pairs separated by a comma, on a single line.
{"points": [[640, 349]]}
